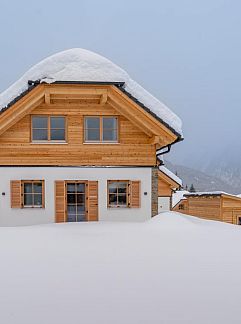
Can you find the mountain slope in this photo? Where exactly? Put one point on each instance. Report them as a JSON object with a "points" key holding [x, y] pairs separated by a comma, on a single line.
{"points": [[203, 181]]}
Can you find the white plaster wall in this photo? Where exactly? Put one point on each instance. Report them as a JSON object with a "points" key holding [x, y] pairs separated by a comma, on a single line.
{"points": [[31, 216], [163, 204]]}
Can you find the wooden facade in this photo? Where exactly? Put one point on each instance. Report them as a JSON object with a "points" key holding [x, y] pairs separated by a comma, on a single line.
{"points": [[219, 207], [140, 134], [166, 185]]}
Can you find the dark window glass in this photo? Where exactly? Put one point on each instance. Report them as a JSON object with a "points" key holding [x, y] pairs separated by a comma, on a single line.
{"points": [[40, 122], [117, 194], [81, 187], [80, 199], [71, 188], [40, 134], [109, 135], [28, 200], [109, 123], [71, 198], [57, 135], [27, 187], [37, 200], [57, 122], [92, 134], [32, 192], [92, 122]]}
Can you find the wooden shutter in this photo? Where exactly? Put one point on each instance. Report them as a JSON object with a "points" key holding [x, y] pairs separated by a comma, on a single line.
{"points": [[59, 201], [92, 200], [16, 198], [135, 196]]}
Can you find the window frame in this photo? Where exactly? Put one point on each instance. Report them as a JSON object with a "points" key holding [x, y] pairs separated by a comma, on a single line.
{"points": [[127, 194], [49, 140], [32, 193], [101, 141]]}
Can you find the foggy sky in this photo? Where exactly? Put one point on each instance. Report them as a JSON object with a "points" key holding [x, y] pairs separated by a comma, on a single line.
{"points": [[187, 53]]}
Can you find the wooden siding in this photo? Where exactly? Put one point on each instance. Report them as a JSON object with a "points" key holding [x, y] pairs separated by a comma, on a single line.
{"points": [[92, 197], [164, 189], [135, 194], [134, 146], [220, 208], [16, 199]]}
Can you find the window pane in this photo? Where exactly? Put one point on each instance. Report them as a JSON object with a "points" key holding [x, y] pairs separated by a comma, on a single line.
{"points": [[71, 188], [71, 198], [122, 200], [80, 209], [80, 187], [37, 200], [71, 218], [112, 199], [57, 135], [113, 187], [27, 187], [110, 135], [80, 199], [39, 122], [109, 122], [71, 209], [92, 135], [37, 187], [92, 122], [81, 218], [28, 200], [57, 122], [40, 134]]}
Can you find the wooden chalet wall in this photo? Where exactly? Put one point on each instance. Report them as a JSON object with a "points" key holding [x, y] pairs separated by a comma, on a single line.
{"points": [[219, 208], [137, 145], [231, 209]]}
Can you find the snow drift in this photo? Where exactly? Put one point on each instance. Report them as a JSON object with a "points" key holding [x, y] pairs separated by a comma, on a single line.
{"points": [[172, 269]]}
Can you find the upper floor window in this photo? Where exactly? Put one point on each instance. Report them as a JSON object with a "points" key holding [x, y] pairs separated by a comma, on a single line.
{"points": [[101, 129], [48, 128]]}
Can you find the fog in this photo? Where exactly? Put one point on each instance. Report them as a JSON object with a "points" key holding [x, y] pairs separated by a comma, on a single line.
{"points": [[187, 53]]}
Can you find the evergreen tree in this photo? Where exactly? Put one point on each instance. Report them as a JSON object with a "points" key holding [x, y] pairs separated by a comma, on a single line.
{"points": [[192, 189]]}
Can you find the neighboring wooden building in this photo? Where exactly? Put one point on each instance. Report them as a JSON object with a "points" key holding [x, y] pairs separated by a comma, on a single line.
{"points": [[168, 182], [218, 206], [78, 142]]}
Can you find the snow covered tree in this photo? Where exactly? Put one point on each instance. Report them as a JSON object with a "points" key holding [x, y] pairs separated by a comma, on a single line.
{"points": [[192, 189]]}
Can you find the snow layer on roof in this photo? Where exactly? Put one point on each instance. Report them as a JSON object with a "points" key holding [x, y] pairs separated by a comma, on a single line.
{"points": [[170, 174], [210, 193], [82, 65], [178, 196]]}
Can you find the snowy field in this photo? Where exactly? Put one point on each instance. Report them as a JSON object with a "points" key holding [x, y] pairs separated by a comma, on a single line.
{"points": [[172, 269]]}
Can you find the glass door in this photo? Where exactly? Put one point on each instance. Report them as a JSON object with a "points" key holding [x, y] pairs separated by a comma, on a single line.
{"points": [[75, 200]]}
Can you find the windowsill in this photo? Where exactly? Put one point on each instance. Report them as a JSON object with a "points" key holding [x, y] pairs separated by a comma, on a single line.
{"points": [[49, 142], [33, 207], [117, 207]]}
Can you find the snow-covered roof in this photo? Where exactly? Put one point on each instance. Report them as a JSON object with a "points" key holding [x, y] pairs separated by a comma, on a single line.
{"points": [[178, 196], [210, 193], [82, 65], [170, 174]]}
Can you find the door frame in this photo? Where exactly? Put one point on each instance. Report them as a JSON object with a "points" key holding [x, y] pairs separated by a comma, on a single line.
{"points": [[66, 182]]}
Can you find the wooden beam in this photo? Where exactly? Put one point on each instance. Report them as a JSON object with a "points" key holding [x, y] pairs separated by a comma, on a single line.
{"points": [[103, 99], [47, 97], [22, 107]]}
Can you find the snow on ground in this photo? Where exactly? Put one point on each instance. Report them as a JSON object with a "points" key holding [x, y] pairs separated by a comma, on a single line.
{"points": [[78, 64], [172, 269]]}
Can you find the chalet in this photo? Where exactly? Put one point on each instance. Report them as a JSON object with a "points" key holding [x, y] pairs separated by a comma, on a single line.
{"points": [[215, 205], [168, 183], [78, 142]]}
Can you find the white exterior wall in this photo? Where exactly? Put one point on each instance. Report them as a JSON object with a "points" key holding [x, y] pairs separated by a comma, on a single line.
{"points": [[31, 216], [163, 204]]}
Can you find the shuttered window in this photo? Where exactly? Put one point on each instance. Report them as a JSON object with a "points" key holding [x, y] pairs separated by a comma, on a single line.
{"points": [[92, 211], [27, 193], [59, 201], [122, 194]]}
